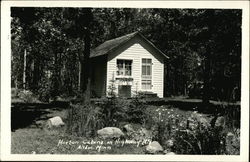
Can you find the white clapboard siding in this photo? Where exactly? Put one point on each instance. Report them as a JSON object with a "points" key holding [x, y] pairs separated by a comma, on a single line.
{"points": [[135, 51]]}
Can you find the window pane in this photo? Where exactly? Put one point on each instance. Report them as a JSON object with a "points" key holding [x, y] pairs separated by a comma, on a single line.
{"points": [[119, 67], [146, 84], [143, 84], [128, 62], [127, 73], [120, 72], [128, 67], [147, 67], [149, 84], [119, 61], [144, 69], [148, 70], [149, 61], [128, 70]]}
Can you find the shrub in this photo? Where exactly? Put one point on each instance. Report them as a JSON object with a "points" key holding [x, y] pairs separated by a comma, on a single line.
{"points": [[200, 140], [107, 113], [27, 96], [113, 111], [84, 117], [233, 142], [14, 92], [192, 135], [137, 111]]}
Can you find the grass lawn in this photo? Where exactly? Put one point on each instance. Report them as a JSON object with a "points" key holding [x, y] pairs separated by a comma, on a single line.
{"points": [[30, 140], [42, 141], [30, 137]]}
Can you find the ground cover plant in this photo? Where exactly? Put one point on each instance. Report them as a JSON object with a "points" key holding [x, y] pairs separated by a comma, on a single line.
{"points": [[178, 131]]}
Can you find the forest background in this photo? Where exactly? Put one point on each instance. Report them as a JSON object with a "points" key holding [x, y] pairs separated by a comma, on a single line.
{"points": [[48, 45]]}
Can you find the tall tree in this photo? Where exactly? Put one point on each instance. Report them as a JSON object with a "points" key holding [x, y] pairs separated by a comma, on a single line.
{"points": [[56, 40], [79, 29]]}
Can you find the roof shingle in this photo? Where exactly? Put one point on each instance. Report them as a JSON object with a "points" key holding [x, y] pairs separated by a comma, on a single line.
{"points": [[112, 44], [109, 45]]}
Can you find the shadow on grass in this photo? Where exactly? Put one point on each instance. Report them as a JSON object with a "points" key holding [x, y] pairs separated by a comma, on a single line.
{"points": [[25, 115]]}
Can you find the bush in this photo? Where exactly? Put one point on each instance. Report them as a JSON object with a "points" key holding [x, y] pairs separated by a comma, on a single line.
{"points": [[200, 140], [113, 111], [233, 142], [109, 112], [194, 135], [137, 111], [14, 92], [27, 96], [84, 117]]}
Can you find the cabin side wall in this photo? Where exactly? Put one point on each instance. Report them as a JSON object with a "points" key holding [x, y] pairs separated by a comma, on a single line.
{"points": [[99, 76], [135, 50]]}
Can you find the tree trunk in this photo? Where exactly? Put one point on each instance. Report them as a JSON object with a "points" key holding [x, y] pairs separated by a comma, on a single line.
{"points": [[24, 69], [36, 73], [86, 69], [206, 88], [185, 89], [85, 73], [55, 77], [79, 75]]}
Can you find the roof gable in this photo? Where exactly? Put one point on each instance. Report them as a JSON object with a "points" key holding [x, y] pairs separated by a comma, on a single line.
{"points": [[111, 45]]}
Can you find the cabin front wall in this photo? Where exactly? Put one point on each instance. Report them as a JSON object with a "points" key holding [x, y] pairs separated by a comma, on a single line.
{"points": [[135, 51]]}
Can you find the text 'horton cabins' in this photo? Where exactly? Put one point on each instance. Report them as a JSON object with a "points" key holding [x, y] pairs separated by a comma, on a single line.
{"points": [[132, 63]]}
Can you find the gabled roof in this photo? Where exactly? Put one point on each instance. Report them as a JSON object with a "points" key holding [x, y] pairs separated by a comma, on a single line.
{"points": [[110, 45]]}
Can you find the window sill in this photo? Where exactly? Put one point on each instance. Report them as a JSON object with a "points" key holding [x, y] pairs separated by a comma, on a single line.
{"points": [[124, 78]]}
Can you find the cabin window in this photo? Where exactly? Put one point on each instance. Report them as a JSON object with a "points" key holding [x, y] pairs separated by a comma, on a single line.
{"points": [[124, 67], [146, 84], [146, 73], [146, 67]]}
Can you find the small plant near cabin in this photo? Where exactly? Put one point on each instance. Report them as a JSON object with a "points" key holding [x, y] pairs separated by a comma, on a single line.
{"points": [[136, 111], [113, 111], [112, 88], [91, 117]]}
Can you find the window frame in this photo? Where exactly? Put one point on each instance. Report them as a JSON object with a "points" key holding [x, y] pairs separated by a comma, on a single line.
{"points": [[124, 67], [146, 80]]}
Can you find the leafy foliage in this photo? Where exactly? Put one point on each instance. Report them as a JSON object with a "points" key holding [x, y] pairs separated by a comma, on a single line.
{"points": [[113, 111], [203, 45], [24, 96], [87, 118], [136, 111], [194, 134]]}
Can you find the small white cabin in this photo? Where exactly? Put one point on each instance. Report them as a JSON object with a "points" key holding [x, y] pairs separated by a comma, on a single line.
{"points": [[132, 62]]}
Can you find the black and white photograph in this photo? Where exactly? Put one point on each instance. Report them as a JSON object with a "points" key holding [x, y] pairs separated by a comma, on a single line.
{"points": [[126, 81]]}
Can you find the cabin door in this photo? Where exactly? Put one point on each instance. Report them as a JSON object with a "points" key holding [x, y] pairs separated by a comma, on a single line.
{"points": [[124, 91]]}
